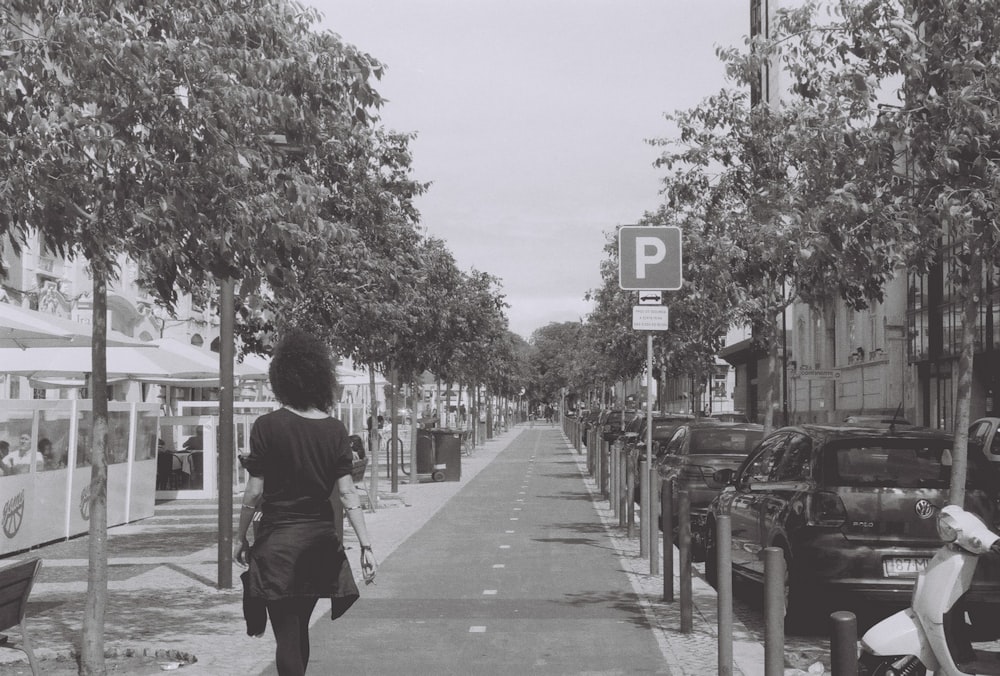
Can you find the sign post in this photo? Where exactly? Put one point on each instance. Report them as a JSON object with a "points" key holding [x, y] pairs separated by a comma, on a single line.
{"points": [[649, 260]]}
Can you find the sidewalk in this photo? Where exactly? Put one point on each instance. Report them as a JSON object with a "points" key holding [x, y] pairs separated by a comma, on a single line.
{"points": [[163, 600]]}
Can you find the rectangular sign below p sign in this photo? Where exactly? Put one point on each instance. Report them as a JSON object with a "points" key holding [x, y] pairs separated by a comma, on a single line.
{"points": [[650, 317]]}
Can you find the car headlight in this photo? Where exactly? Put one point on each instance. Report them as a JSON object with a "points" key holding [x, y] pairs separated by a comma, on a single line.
{"points": [[947, 527]]}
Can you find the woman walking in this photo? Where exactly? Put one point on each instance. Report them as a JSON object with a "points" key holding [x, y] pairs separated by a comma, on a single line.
{"points": [[300, 459]]}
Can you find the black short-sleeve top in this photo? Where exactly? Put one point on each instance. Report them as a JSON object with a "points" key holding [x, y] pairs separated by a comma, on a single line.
{"points": [[300, 460]]}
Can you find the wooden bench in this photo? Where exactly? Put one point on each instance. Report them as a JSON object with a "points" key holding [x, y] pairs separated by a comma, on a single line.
{"points": [[15, 586]]}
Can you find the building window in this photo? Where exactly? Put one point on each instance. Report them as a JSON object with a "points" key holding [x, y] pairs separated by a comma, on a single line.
{"points": [[37, 393]]}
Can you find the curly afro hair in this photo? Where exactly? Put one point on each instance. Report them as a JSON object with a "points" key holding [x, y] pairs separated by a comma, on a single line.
{"points": [[302, 373]]}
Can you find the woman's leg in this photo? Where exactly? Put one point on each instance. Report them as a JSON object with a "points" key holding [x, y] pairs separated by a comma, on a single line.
{"points": [[290, 623], [305, 610]]}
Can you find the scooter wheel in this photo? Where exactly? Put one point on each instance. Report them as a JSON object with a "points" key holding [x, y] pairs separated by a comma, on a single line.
{"points": [[437, 475], [897, 665]]}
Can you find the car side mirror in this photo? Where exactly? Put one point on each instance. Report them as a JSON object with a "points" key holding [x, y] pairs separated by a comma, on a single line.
{"points": [[724, 477]]}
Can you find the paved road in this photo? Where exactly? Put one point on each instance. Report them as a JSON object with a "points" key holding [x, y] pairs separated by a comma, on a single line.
{"points": [[516, 574]]}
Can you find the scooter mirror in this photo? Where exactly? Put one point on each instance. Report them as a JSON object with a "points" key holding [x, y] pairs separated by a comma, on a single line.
{"points": [[965, 529]]}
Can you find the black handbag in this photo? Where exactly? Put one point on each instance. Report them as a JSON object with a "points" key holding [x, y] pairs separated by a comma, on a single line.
{"points": [[254, 609]]}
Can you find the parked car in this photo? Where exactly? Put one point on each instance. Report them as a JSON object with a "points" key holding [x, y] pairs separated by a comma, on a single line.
{"points": [[589, 420], [875, 420], [984, 439], [851, 507], [730, 416], [664, 425], [613, 423], [693, 456]]}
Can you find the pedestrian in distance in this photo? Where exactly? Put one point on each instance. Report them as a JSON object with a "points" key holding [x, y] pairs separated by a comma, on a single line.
{"points": [[299, 455]]}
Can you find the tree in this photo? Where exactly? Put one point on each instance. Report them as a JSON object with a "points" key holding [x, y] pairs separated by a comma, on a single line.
{"points": [[148, 129]]}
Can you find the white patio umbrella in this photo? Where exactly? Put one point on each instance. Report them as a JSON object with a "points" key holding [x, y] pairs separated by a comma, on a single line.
{"points": [[247, 370], [22, 328], [135, 362]]}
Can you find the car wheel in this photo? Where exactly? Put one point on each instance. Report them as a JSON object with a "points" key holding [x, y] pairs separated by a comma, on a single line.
{"points": [[711, 555]]}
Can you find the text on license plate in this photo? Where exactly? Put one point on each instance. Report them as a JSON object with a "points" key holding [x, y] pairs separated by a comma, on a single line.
{"points": [[903, 566]]}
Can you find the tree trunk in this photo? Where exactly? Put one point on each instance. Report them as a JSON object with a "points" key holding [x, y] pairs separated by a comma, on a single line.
{"points": [[772, 379], [963, 395], [92, 650]]}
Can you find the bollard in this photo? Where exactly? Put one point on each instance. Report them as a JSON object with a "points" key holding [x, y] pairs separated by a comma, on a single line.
{"points": [[591, 469], [774, 611], [605, 469], [653, 522], [629, 493], [684, 542], [644, 509], [724, 586], [843, 643], [613, 480], [667, 524], [622, 481]]}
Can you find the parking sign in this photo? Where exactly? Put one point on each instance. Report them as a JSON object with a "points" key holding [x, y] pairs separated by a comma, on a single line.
{"points": [[649, 257]]}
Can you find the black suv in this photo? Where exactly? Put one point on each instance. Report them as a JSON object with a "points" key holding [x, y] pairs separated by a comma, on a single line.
{"points": [[854, 510]]}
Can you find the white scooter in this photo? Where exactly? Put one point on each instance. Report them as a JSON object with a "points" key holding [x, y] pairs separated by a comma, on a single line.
{"points": [[931, 636]]}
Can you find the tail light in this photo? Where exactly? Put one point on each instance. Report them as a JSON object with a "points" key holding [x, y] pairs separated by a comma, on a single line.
{"points": [[826, 509]]}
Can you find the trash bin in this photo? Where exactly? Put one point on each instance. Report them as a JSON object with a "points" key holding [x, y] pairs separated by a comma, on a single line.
{"points": [[448, 452], [425, 453]]}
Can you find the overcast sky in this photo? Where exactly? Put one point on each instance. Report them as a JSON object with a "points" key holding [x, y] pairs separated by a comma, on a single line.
{"points": [[532, 118]]}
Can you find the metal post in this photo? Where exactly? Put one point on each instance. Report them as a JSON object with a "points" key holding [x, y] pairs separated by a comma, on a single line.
{"points": [[843, 643], [622, 490], [605, 465], [644, 509], [652, 522], [613, 482], [774, 611], [667, 524], [724, 586], [629, 493], [687, 601]]}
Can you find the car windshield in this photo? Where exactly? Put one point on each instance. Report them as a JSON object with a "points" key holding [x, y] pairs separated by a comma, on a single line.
{"points": [[724, 441], [892, 463]]}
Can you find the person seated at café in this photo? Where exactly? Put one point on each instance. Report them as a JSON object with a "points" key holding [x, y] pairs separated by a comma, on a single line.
{"points": [[194, 443], [4, 452], [19, 461], [50, 459]]}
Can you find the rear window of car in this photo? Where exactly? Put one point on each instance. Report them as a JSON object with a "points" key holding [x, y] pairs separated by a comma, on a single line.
{"points": [[664, 429], [903, 463], [724, 441]]}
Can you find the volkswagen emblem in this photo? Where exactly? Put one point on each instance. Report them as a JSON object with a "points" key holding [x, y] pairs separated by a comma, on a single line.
{"points": [[925, 509]]}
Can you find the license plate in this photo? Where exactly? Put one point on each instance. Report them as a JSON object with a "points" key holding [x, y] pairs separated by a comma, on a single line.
{"points": [[903, 566]]}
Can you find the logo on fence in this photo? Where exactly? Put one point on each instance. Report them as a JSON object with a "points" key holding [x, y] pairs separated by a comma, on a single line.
{"points": [[85, 503], [13, 515]]}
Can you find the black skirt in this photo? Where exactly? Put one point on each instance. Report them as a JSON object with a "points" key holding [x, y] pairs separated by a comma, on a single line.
{"points": [[301, 559]]}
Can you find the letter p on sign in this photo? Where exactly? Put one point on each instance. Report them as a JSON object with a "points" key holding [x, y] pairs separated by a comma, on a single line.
{"points": [[649, 258]]}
